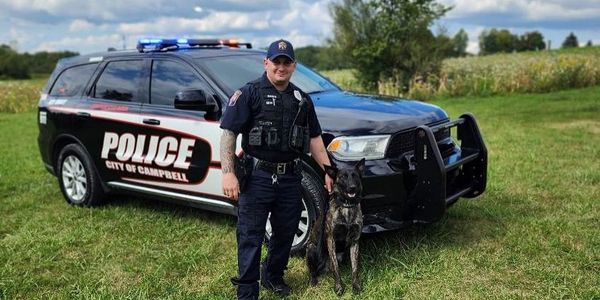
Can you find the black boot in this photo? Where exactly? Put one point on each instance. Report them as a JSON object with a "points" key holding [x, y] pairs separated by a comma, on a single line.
{"points": [[277, 286]]}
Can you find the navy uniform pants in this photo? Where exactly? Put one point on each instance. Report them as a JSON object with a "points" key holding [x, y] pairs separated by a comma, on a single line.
{"points": [[283, 200]]}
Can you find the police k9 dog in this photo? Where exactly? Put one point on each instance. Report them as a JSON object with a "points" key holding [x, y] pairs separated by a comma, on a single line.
{"points": [[342, 226]]}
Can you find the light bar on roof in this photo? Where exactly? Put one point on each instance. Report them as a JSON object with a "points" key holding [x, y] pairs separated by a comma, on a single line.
{"points": [[156, 44]]}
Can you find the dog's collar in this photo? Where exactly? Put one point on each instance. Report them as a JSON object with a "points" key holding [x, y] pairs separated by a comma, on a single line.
{"points": [[347, 205], [340, 200]]}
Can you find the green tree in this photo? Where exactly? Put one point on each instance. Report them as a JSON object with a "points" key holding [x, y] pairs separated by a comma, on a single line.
{"points": [[387, 38], [308, 55], [531, 41], [494, 41], [570, 41], [12, 65], [589, 43], [333, 57], [445, 46], [460, 41], [44, 62], [328, 57]]}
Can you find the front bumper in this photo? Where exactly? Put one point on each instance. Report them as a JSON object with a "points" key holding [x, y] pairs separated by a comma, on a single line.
{"points": [[418, 186], [434, 190]]}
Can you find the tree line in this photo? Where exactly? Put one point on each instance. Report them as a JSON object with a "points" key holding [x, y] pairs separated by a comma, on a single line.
{"points": [[392, 41], [503, 41], [14, 65]]}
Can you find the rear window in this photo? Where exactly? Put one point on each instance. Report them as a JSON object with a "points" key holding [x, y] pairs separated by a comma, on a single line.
{"points": [[72, 80], [120, 81]]}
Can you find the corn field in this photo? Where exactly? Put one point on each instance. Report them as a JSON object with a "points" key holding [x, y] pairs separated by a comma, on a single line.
{"points": [[20, 95], [533, 72]]}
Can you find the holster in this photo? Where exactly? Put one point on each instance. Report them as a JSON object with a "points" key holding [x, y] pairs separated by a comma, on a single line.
{"points": [[243, 170]]}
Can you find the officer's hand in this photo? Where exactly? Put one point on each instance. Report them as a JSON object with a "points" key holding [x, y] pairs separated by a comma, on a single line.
{"points": [[231, 187], [329, 184]]}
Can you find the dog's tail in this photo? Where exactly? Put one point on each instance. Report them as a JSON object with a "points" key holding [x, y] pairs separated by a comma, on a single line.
{"points": [[314, 249]]}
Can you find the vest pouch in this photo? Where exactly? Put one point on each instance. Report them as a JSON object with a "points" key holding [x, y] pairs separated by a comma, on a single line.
{"points": [[255, 136], [306, 144], [299, 139], [272, 137]]}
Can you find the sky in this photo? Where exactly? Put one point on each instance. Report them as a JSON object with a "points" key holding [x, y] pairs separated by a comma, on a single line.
{"points": [[92, 26]]}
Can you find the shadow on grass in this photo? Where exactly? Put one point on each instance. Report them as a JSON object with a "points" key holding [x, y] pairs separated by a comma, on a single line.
{"points": [[172, 208]]}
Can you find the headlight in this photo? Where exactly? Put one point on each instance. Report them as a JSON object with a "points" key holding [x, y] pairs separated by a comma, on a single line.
{"points": [[356, 147]]}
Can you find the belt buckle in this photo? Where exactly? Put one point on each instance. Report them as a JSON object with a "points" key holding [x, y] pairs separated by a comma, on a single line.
{"points": [[281, 168]]}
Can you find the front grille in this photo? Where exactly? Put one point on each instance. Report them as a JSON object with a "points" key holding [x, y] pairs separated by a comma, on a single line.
{"points": [[404, 141]]}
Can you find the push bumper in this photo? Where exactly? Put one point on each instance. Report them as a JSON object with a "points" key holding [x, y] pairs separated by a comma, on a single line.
{"points": [[433, 192]]}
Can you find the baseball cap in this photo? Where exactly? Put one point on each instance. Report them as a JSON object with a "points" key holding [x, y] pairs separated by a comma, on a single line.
{"points": [[281, 48]]}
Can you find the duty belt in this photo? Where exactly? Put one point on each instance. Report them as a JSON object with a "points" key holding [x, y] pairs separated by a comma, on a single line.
{"points": [[276, 168]]}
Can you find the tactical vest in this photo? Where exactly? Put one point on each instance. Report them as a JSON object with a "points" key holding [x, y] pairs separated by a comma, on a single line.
{"points": [[281, 125]]}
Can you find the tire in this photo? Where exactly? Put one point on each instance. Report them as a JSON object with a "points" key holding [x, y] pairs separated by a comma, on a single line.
{"points": [[79, 182], [313, 200]]}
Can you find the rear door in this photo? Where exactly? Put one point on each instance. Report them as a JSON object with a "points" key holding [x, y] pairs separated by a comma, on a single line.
{"points": [[113, 107], [61, 110]]}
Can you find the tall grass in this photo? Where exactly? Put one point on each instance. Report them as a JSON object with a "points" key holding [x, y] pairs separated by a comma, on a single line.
{"points": [[20, 95], [501, 74], [517, 73]]}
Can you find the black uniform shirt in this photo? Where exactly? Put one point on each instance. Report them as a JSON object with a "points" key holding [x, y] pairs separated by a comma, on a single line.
{"points": [[245, 104]]}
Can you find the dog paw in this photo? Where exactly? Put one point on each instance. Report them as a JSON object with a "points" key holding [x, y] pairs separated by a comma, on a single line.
{"points": [[339, 289], [314, 281], [356, 287]]}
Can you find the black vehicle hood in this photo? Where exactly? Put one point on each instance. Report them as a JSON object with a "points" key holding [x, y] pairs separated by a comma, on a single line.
{"points": [[345, 113]]}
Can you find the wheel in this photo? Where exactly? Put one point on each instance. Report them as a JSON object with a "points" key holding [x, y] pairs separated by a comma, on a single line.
{"points": [[313, 201], [77, 177]]}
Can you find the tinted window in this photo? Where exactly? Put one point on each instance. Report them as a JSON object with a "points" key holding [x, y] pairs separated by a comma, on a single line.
{"points": [[233, 72], [168, 78], [120, 81], [72, 80]]}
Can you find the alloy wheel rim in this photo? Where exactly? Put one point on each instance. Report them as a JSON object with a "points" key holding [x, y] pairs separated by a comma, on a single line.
{"points": [[74, 178]]}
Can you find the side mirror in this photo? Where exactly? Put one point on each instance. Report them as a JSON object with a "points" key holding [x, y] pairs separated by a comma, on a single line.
{"points": [[194, 100]]}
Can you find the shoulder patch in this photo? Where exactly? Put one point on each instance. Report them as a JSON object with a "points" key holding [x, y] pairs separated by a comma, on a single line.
{"points": [[297, 95], [234, 98]]}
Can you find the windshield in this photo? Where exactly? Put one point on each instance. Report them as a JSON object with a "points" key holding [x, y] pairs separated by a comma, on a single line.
{"points": [[233, 72]]}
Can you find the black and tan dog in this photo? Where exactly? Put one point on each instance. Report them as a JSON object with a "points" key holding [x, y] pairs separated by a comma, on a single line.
{"points": [[343, 225]]}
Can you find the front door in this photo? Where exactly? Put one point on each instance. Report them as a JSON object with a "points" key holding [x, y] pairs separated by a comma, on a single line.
{"points": [[184, 143]]}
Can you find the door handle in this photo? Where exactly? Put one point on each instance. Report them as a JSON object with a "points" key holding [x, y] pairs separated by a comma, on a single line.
{"points": [[152, 121], [83, 114]]}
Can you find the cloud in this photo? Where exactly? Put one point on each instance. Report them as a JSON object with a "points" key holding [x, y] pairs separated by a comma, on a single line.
{"points": [[311, 19], [46, 24], [80, 25], [44, 11], [526, 13], [214, 23], [92, 41]]}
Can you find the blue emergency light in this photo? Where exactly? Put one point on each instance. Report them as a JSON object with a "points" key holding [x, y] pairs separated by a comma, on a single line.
{"points": [[157, 44]]}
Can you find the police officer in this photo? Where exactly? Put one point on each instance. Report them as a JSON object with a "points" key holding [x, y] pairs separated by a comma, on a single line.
{"points": [[278, 123]]}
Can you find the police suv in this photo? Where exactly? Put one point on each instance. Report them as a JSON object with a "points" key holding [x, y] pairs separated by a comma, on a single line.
{"points": [[146, 121]]}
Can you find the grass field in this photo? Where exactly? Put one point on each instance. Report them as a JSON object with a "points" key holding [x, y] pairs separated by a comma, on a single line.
{"points": [[533, 234], [499, 74]]}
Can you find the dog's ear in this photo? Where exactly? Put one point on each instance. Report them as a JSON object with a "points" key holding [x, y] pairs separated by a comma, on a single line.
{"points": [[360, 167], [331, 171]]}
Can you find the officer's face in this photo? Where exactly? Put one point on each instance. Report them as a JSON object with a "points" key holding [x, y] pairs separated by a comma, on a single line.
{"points": [[279, 70]]}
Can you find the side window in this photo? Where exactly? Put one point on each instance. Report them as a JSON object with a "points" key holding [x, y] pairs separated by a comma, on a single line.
{"points": [[120, 81], [168, 78], [72, 80]]}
